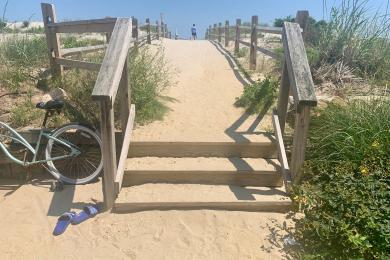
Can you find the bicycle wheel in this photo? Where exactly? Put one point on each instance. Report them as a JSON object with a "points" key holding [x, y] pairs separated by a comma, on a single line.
{"points": [[79, 169]]}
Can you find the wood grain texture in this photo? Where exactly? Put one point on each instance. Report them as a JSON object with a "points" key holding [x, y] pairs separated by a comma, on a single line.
{"points": [[78, 64], [107, 82], [284, 91], [238, 32], [298, 66], [302, 18], [84, 26], [227, 37], [52, 39], [301, 132], [82, 50], [253, 46], [219, 32], [149, 39], [267, 52], [282, 152], [107, 131], [266, 29], [124, 151]]}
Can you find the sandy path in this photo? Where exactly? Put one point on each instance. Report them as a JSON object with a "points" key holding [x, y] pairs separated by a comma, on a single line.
{"points": [[205, 92], [204, 110], [29, 215]]}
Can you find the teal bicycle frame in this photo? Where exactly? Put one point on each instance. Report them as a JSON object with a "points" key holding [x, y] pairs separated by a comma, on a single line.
{"points": [[74, 151]]}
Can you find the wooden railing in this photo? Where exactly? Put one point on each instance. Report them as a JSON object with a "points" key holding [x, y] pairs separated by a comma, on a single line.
{"points": [[296, 79], [122, 34]]}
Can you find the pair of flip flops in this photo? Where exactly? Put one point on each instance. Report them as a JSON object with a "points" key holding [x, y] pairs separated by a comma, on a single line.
{"points": [[73, 218]]}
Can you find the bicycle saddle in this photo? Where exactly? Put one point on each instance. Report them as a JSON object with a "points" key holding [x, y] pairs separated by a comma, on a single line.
{"points": [[51, 105]]}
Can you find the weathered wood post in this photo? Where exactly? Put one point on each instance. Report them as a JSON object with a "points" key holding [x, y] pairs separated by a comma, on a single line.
{"points": [[158, 30], [134, 32], [162, 25], [237, 41], [227, 33], [125, 98], [252, 55], [219, 32], [52, 39], [284, 93], [166, 30], [301, 83], [302, 19], [149, 38], [215, 31], [210, 33]]}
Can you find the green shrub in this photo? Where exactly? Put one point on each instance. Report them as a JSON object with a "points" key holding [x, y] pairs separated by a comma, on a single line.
{"points": [[279, 21], [25, 24], [24, 114], [357, 38], [74, 42], [345, 195], [149, 75], [242, 52], [258, 97]]}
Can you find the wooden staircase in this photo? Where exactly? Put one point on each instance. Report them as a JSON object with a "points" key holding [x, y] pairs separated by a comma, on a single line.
{"points": [[203, 175]]}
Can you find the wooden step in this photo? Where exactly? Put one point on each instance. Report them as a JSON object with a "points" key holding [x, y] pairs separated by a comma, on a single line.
{"points": [[236, 171], [196, 196], [265, 148]]}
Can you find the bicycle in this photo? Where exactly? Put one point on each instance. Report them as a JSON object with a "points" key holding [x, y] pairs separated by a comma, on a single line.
{"points": [[73, 153]]}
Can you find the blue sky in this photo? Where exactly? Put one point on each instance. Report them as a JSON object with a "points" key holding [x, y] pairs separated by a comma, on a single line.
{"points": [[179, 14]]}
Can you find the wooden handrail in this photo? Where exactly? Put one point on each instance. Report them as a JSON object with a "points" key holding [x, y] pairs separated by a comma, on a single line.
{"points": [[268, 29], [296, 75], [107, 82], [298, 66], [84, 26]]}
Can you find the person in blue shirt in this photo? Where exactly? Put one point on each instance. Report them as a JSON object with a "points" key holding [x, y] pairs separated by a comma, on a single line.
{"points": [[193, 32]]}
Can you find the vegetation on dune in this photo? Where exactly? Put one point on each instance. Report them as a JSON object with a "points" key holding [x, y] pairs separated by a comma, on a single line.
{"points": [[345, 193], [22, 59], [149, 75], [258, 97]]}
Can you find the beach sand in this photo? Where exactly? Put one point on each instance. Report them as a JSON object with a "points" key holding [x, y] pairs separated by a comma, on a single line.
{"points": [[203, 110]]}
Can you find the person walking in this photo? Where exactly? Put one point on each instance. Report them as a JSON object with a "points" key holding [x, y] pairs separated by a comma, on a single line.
{"points": [[193, 32]]}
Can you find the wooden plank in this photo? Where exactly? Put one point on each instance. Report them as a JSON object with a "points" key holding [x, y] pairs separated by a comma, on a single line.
{"points": [[252, 52], [107, 131], [52, 39], [107, 82], [265, 148], [266, 29], [237, 41], [301, 132], [125, 98], [82, 50], [298, 66], [227, 39], [248, 44], [84, 26], [284, 93], [78, 64], [124, 151], [282, 152], [267, 52]]}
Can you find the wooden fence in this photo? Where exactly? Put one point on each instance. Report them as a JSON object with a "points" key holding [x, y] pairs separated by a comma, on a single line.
{"points": [[296, 79], [122, 34]]}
